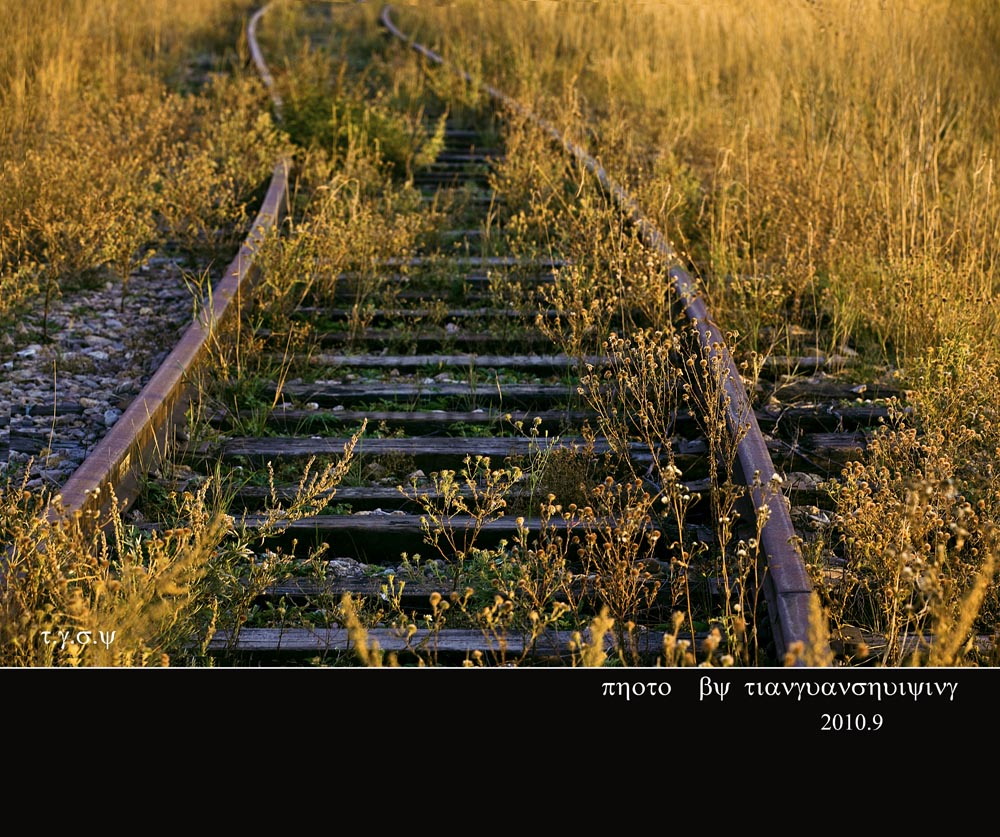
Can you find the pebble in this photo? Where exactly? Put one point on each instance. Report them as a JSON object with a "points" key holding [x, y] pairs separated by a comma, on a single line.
{"points": [[59, 397]]}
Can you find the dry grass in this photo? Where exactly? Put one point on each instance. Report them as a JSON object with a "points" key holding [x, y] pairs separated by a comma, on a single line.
{"points": [[814, 166], [93, 139]]}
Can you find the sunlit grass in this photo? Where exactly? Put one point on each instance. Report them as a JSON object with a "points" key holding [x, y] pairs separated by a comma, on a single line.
{"points": [[813, 165]]}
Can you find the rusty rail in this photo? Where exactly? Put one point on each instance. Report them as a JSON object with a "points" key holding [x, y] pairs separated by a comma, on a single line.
{"points": [[112, 472]]}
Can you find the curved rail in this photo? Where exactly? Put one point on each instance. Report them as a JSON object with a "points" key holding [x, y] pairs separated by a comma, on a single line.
{"points": [[787, 586], [135, 444]]}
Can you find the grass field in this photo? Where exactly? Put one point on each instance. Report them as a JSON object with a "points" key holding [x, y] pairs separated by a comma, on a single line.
{"points": [[826, 165]]}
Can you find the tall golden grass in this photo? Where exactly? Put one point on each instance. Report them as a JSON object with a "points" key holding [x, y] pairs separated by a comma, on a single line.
{"points": [[828, 164], [843, 149], [100, 109]]}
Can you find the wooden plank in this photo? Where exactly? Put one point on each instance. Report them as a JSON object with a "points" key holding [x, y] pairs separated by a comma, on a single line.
{"points": [[391, 499], [380, 539], [786, 422], [334, 394], [554, 644], [790, 365], [801, 388], [833, 446], [415, 595], [403, 314], [828, 417], [417, 421], [428, 339], [822, 452], [420, 448], [465, 361], [479, 261]]}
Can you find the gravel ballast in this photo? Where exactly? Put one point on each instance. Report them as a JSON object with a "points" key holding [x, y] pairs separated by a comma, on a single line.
{"points": [[64, 384]]}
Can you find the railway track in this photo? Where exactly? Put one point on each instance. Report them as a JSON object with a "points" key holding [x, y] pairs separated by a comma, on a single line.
{"points": [[486, 481]]}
